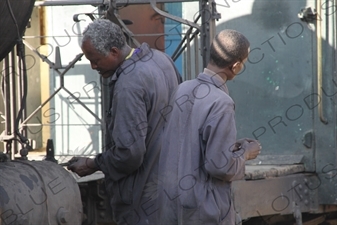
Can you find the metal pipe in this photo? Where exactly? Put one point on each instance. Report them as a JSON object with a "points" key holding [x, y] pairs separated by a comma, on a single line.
{"points": [[13, 97], [188, 56], [179, 49], [81, 103], [22, 90], [319, 65], [40, 107], [182, 49], [6, 93], [68, 2], [98, 2], [196, 56]]}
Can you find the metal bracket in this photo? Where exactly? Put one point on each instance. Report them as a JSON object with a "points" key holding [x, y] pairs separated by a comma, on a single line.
{"points": [[215, 14], [58, 63], [50, 152], [172, 17], [90, 15], [297, 214], [67, 68], [308, 14], [308, 139]]}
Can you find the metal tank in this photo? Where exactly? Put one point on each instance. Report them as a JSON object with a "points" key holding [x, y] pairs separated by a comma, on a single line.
{"points": [[38, 192], [31, 192]]}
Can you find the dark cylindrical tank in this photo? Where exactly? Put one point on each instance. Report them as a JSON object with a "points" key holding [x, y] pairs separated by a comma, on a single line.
{"points": [[38, 193]]}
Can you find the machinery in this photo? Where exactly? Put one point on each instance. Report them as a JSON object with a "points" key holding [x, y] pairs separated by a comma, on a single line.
{"points": [[285, 98], [31, 192]]}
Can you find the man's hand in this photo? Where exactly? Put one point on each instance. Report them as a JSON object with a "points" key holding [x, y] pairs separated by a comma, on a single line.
{"points": [[251, 147], [83, 166]]}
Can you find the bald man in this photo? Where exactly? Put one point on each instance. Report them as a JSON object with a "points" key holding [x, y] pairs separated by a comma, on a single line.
{"points": [[200, 156]]}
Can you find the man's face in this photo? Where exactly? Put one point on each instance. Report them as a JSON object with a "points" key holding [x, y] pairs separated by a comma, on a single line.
{"points": [[104, 64]]}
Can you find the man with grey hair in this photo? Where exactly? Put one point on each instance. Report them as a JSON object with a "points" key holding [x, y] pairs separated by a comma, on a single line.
{"points": [[141, 82], [200, 155]]}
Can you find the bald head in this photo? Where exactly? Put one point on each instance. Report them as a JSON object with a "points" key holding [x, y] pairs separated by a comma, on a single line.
{"points": [[228, 47]]}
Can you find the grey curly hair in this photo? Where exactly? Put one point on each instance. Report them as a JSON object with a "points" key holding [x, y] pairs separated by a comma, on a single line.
{"points": [[104, 35], [228, 47]]}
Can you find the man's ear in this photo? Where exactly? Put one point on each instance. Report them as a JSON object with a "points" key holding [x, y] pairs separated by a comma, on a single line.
{"points": [[236, 67], [114, 51]]}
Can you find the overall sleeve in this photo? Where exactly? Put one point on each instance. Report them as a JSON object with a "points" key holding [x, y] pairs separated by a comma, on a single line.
{"points": [[128, 134], [219, 136]]}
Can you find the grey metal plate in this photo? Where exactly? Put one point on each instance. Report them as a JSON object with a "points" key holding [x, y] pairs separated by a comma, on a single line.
{"points": [[273, 96], [281, 195]]}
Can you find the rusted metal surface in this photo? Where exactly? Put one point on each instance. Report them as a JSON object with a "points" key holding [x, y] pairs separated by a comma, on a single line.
{"points": [[269, 171], [147, 26], [273, 196], [38, 193]]}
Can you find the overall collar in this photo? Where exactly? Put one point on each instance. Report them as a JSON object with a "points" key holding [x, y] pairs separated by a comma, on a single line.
{"points": [[142, 53], [211, 77]]}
